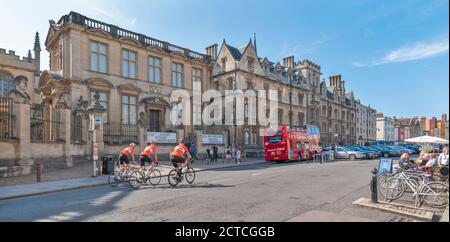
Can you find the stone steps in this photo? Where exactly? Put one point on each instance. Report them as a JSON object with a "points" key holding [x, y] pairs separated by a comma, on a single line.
{"points": [[10, 171], [4, 163]]}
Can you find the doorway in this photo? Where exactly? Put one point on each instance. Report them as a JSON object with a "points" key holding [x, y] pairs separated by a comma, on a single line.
{"points": [[154, 125]]}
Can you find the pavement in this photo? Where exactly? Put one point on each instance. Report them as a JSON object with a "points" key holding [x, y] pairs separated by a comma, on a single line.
{"points": [[64, 182], [401, 209], [444, 217], [258, 192]]}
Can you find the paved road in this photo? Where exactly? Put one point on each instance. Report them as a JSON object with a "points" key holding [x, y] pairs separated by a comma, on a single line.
{"points": [[262, 192]]}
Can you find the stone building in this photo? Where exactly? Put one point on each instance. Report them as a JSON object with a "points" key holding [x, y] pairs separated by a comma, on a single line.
{"points": [[386, 129], [407, 128], [252, 72], [18, 89], [46, 114], [366, 124], [134, 75], [339, 107]]}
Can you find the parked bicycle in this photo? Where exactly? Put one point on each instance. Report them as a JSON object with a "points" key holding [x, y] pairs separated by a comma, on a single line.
{"points": [[177, 175], [424, 189], [150, 175]]}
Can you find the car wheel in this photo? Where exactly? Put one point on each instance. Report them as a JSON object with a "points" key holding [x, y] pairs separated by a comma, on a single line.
{"points": [[385, 155], [352, 157]]}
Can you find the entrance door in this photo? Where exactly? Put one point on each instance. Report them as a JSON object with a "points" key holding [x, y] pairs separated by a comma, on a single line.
{"points": [[154, 120]]}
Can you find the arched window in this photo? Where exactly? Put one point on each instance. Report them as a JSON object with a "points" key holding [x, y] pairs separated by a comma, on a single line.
{"points": [[6, 84]]}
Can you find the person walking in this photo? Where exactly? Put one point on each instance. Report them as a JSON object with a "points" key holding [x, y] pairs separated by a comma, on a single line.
{"points": [[228, 154], [215, 153], [208, 156], [234, 151], [238, 155], [193, 151]]}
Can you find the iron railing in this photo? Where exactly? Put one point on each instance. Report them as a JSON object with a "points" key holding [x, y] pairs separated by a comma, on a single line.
{"points": [[77, 129], [7, 119], [45, 124], [117, 133]]}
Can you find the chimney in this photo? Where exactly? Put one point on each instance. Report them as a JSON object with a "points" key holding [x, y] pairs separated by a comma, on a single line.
{"points": [[212, 51], [288, 62], [37, 53]]}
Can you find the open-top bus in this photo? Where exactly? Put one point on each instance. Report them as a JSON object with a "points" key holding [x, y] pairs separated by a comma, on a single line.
{"points": [[286, 144]]}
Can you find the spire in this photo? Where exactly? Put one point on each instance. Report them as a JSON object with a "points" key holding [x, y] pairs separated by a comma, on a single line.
{"points": [[37, 42], [29, 54], [254, 43], [37, 53]]}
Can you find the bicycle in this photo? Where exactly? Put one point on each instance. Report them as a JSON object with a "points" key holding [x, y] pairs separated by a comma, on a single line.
{"points": [[119, 175], [177, 175], [147, 175], [434, 194]]}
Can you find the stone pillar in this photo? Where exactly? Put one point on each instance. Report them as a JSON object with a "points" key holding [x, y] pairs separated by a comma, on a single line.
{"points": [[66, 123], [23, 133]]}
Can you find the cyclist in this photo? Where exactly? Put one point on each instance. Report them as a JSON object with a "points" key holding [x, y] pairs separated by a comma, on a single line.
{"points": [[124, 157], [178, 156], [146, 155]]}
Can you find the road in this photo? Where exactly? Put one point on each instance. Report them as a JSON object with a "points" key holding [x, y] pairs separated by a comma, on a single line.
{"points": [[253, 193]]}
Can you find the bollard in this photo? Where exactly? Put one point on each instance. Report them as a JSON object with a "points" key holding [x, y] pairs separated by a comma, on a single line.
{"points": [[374, 186], [39, 172]]}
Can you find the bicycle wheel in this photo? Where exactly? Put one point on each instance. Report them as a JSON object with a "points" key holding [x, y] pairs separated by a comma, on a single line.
{"points": [[154, 177], [173, 178], [394, 187], [435, 194], [135, 179], [113, 179], [190, 175]]}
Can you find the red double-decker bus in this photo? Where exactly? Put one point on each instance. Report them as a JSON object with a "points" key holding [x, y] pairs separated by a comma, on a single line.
{"points": [[286, 144]]}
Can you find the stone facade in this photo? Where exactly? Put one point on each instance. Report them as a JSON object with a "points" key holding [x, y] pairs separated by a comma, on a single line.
{"points": [[338, 112], [366, 123], [407, 128], [386, 130], [134, 75]]}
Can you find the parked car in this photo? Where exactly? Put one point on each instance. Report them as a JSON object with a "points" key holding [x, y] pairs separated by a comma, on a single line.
{"points": [[370, 154], [414, 148], [376, 153], [385, 152], [404, 149], [344, 153]]}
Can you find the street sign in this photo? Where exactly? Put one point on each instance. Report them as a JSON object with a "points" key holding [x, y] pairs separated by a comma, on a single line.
{"points": [[95, 151]]}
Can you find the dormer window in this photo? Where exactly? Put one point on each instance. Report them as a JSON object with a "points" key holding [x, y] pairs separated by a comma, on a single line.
{"points": [[250, 63], [224, 64]]}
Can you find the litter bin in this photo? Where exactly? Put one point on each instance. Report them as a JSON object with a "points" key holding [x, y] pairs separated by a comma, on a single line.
{"points": [[108, 164]]}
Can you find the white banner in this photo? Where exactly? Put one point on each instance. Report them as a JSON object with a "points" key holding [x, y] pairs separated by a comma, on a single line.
{"points": [[162, 138], [212, 139]]}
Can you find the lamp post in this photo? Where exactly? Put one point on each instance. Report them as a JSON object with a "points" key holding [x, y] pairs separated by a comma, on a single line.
{"points": [[290, 96], [234, 105], [95, 111]]}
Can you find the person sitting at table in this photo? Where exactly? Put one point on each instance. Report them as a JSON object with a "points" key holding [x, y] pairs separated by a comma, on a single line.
{"points": [[406, 163]]}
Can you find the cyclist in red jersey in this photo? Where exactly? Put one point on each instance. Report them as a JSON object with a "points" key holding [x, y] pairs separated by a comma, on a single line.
{"points": [[124, 156]]}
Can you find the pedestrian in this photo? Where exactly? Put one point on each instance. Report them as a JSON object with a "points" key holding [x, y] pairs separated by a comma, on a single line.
{"points": [[215, 153], [238, 156], [228, 154], [208, 156], [193, 151], [443, 157], [234, 152]]}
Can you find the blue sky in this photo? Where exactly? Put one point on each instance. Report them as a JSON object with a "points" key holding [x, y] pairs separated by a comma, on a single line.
{"points": [[392, 54]]}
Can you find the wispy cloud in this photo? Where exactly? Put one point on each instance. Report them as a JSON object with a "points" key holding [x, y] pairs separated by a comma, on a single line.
{"points": [[304, 49], [418, 51], [110, 10]]}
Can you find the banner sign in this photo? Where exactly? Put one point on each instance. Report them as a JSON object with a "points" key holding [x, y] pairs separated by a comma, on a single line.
{"points": [[385, 166], [212, 139], [162, 138]]}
